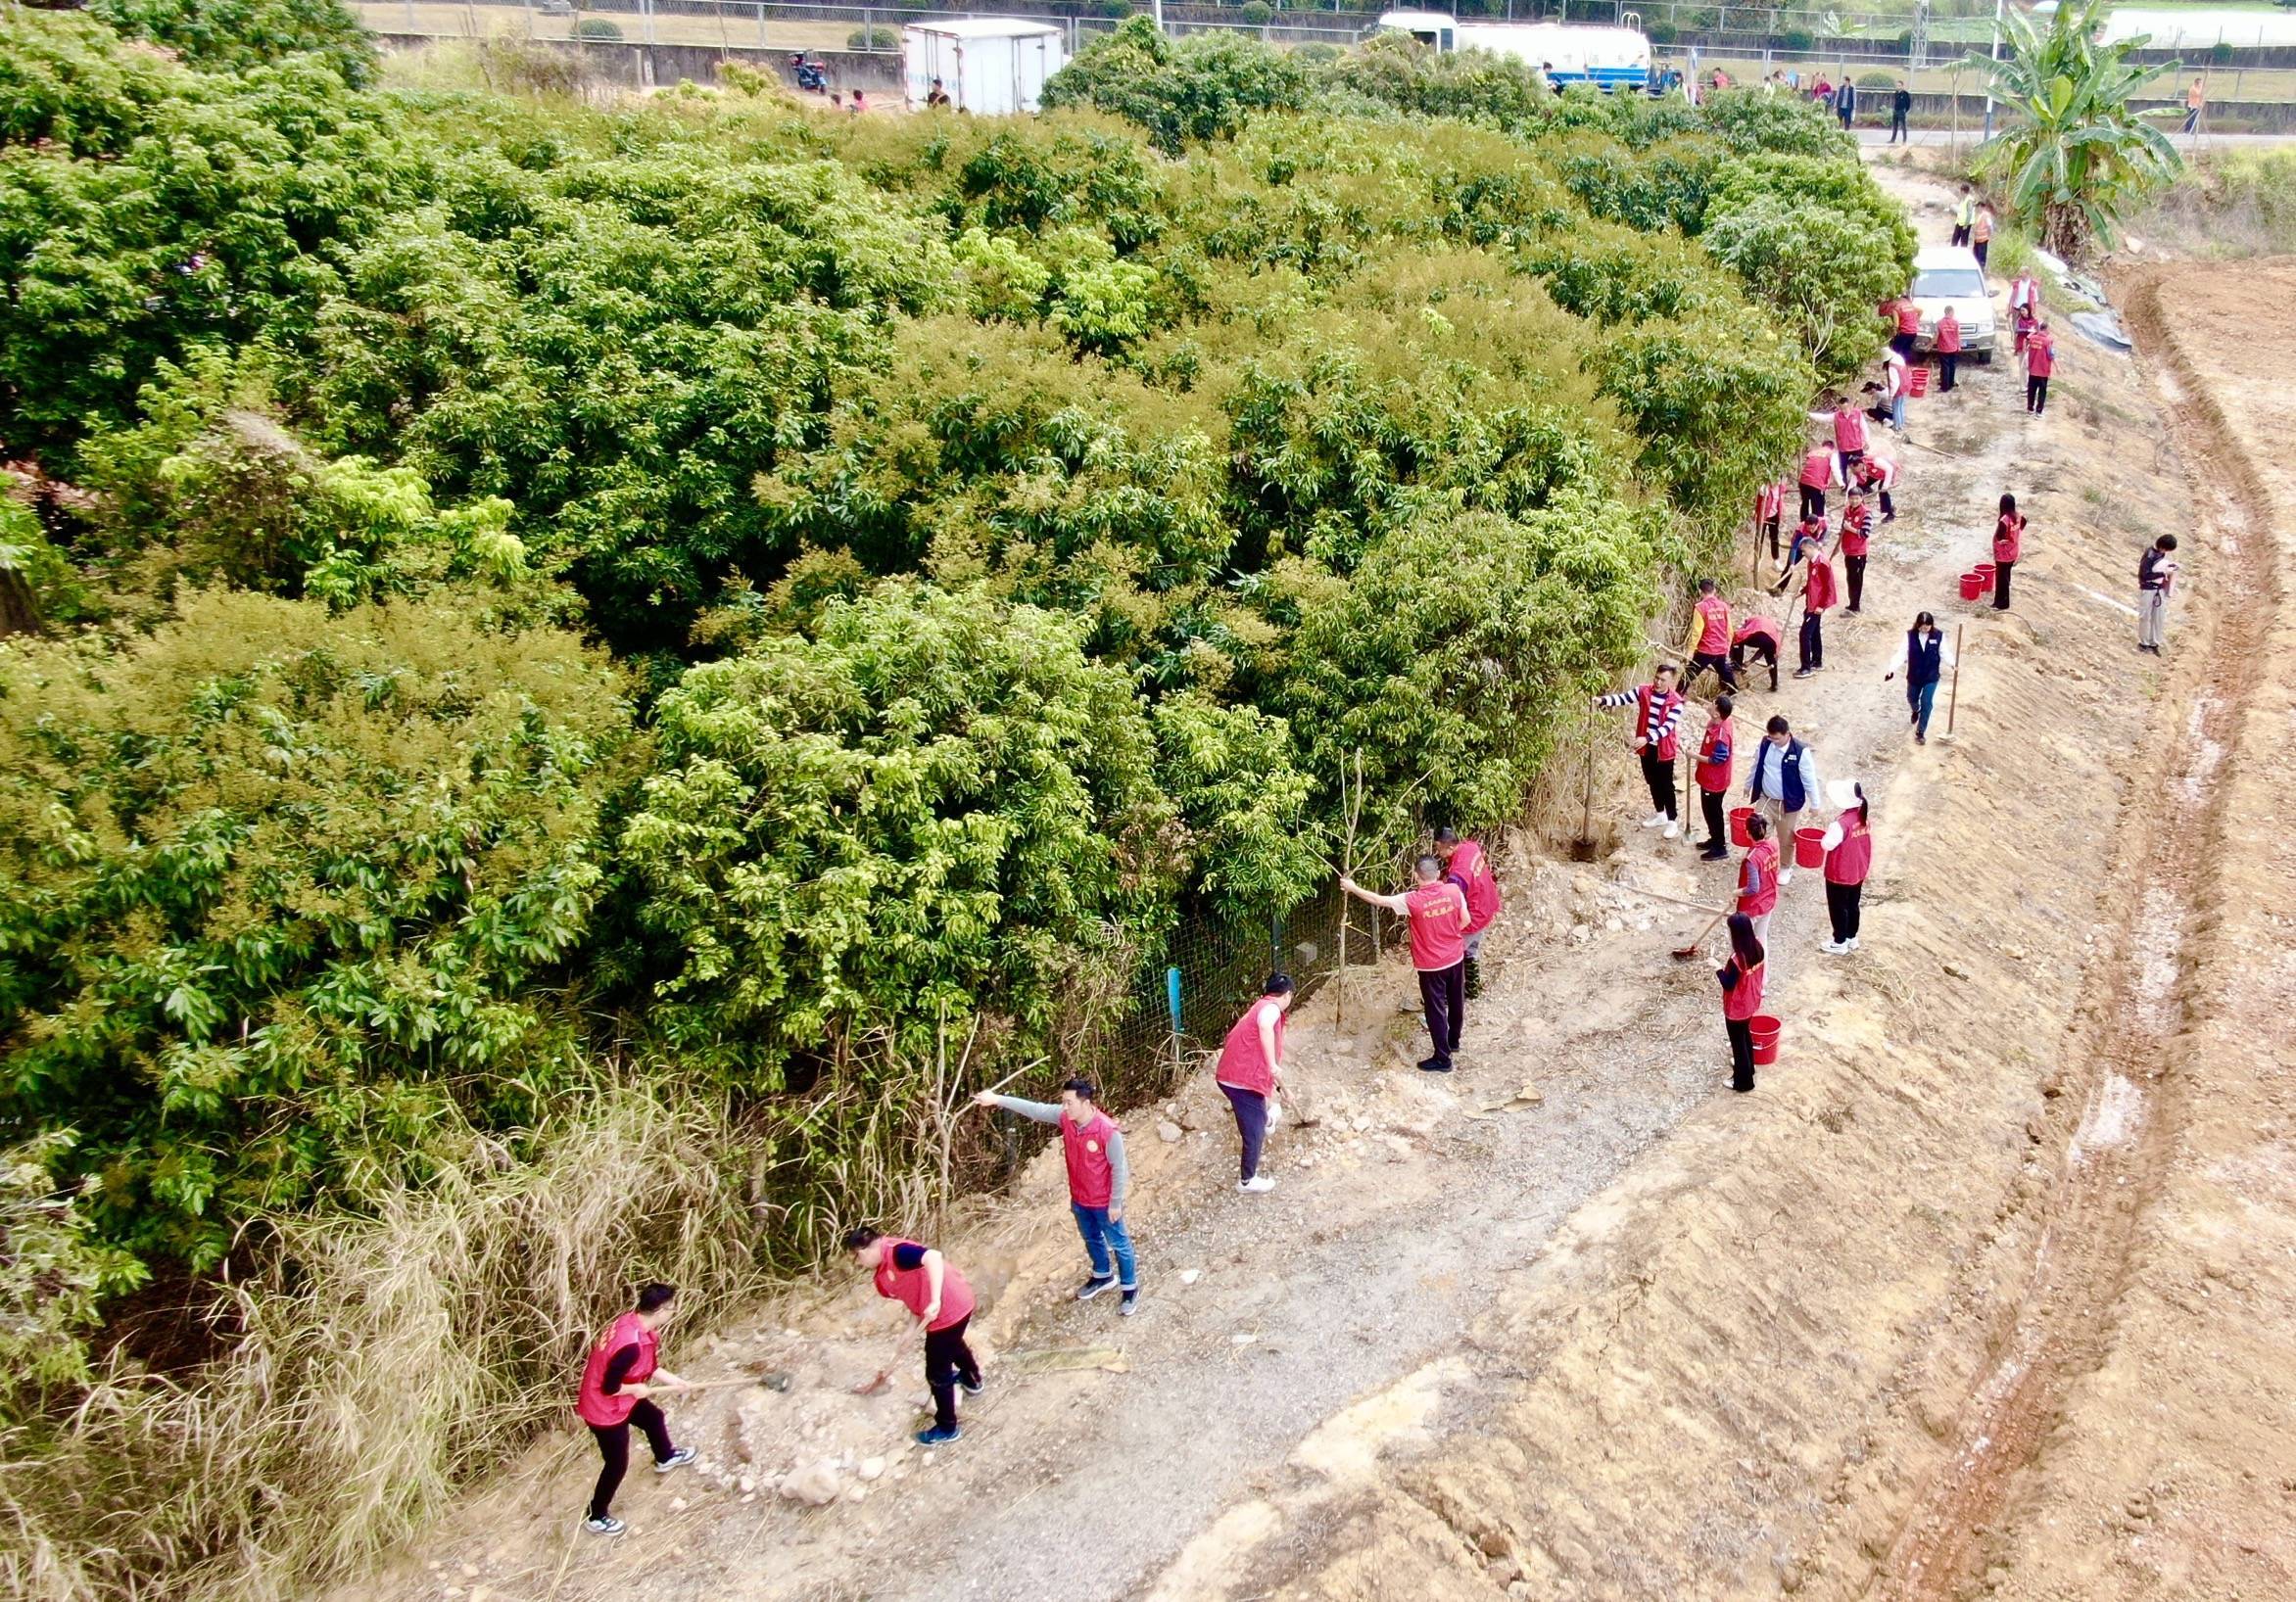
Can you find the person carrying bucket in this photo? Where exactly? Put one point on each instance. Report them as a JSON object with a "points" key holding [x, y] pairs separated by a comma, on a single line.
{"points": [[1924, 657], [2008, 545], [1250, 1074], [1439, 920], [1715, 760], [1848, 845], [1741, 978], [1783, 781], [1758, 877]]}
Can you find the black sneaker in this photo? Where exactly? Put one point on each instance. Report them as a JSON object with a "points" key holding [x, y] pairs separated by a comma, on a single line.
{"points": [[1434, 1064], [1130, 1304], [1717, 853], [972, 1387], [1094, 1286]]}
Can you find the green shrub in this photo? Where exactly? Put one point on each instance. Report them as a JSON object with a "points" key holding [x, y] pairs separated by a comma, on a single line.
{"points": [[873, 39], [1200, 87], [1824, 268], [1258, 13], [1475, 86], [1798, 41], [233, 35], [597, 28], [1749, 121]]}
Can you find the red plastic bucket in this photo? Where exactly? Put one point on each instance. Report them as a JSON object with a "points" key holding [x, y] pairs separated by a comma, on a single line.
{"points": [[1921, 381], [1810, 847], [1764, 1029], [1987, 572], [1973, 586], [1738, 833]]}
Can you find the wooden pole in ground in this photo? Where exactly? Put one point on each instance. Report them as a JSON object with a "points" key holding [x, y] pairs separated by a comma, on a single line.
{"points": [[1953, 695]]}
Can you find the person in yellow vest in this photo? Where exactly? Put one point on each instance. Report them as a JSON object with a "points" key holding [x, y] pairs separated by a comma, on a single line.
{"points": [[2195, 101]]}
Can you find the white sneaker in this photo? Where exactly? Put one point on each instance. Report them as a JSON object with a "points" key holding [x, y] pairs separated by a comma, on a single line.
{"points": [[1257, 1185], [604, 1527], [1673, 829], [676, 1460], [1654, 819], [1784, 877], [1850, 944], [1834, 948]]}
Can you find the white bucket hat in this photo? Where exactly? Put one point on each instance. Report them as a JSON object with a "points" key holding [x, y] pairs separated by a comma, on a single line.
{"points": [[1843, 792]]}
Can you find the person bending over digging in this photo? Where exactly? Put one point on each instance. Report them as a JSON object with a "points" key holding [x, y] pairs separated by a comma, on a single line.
{"points": [[618, 1382], [941, 1302]]}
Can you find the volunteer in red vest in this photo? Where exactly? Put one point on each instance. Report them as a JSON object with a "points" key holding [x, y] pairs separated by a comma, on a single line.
{"points": [[1818, 593], [2156, 580], [1467, 865], [1948, 350], [1770, 515], [1809, 534], [1925, 656], [1657, 721], [1857, 527], [1708, 643], [1878, 474], [1891, 393], [1439, 920], [2025, 306], [1758, 638], [941, 1302], [1781, 783], [1850, 432], [1740, 976], [1821, 468], [1099, 1177], [1250, 1074], [2008, 545], [618, 1382], [1758, 876], [1849, 855], [1715, 758], [2041, 360], [1908, 318]]}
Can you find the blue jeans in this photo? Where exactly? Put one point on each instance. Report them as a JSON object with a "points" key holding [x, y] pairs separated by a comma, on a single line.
{"points": [[1923, 698], [1898, 412], [1102, 1234]]}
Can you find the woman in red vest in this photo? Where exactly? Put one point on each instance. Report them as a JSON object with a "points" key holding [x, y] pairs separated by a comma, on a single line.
{"points": [[1099, 1176], [1948, 350], [1250, 1072], [2008, 545], [618, 1382], [1741, 978], [941, 1302], [1467, 865], [1758, 877], [1715, 762], [1758, 638], [1849, 855], [1820, 468]]}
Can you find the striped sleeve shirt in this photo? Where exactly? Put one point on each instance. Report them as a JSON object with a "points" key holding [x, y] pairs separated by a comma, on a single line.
{"points": [[1665, 725]]}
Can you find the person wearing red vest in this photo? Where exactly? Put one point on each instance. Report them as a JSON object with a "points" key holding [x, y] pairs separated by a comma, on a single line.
{"points": [[1948, 350], [1908, 313], [1467, 865], [937, 1298], [1849, 855], [1770, 513], [2041, 360], [2008, 546], [1439, 920], [1708, 644], [1820, 468], [1716, 761], [1809, 534], [1817, 594], [1758, 638], [1759, 875], [1849, 431], [1099, 1176], [1879, 473], [1741, 978], [1658, 720], [1857, 528], [618, 1381], [1250, 1074]]}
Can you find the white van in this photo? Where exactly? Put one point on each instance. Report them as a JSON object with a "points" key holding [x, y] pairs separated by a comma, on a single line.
{"points": [[1567, 52]]}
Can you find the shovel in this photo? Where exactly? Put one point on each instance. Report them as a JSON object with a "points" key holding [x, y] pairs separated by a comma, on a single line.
{"points": [[1684, 953], [1304, 1119]]}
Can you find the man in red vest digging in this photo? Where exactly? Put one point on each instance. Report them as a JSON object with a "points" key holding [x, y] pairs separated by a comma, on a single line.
{"points": [[618, 1381], [937, 1298], [1466, 866], [1098, 1178]]}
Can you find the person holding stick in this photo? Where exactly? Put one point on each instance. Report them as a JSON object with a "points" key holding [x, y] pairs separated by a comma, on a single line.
{"points": [[618, 1382], [1849, 856], [1657, 719], [1758, 638], [2008, 545], [1757, 876], [1714, 772], [1467, 865], [1925, 656], [1769, 516], [1857, 527], [937, 1298], [1878, 474], [1741, 978], [1808, 536], [1249, 1073], [1099, 1177], [1439, 918], [2156, 580]]}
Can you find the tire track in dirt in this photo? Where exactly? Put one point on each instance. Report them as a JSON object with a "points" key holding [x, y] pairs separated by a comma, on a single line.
{"points": [[2112, 1166]]}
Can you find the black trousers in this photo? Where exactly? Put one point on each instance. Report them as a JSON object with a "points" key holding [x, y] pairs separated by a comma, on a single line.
{"points": [[2001, 571], [1898, 129], [1902, 344], [1702, 661], [1710, 802], [1813, 639], [613, 1445], [1854, 568], [1251, 1111], [1888, 507], [1813, 502], [1658, 774], [948, 1359], [1742, 1053], [1977, 248], [1960, 234], [1947, 362], [1770, 528], [1842, 909], [2036, 395], [1443, 991], [1762, 649]]}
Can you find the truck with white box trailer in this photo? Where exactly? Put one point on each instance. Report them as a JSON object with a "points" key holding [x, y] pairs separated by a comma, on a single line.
{"points": [[988, 66]]}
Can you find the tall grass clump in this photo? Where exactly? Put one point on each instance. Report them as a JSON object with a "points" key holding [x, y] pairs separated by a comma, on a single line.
{"points": [[2230, 204]]}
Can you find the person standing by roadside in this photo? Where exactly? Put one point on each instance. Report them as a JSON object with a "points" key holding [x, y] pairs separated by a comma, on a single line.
{"points": [[2156, 580], [1964, 214], [1467, 865], [937, 1298], [1758, 638], [1846, 101], [1900, 109], [1925, 656], [2195, 101], [1708, 643], [1099, 1176], [1439, 918], [1821, 470], [618, 1381], [2008, 545], [1948, 350], [1658, 718], [1817, 594], [1250, 1074], [1757, 876], [1714, 765], [1879, 473], [2041, 360], [1849, 856], [1981, 234], [1857, 527], [1784, 780], [1741, 978]]}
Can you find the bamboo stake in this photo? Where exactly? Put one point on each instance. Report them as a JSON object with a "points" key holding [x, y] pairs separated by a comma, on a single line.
{"points": [[1678, 901], [1347, 851], [1953, 695]]}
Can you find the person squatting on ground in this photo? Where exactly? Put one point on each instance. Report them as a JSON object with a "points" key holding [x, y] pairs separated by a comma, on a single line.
{"points": [[1657, 721], [1741, 978], [1439, 920], [1758, 638], [1784, 780], [1925, 656], [1250, 1074], [618, 1381], [1713, 770], [1849, 856], [2156, 580], [2008, 546], [1857, 528], [1467, 865], [1708, 643], [941, 1302], [1818, 593], [1757, 876], [1099, 1178]]}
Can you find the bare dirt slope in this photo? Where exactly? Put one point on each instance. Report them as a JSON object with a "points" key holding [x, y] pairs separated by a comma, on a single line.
{"points": [[1628, 1335]]}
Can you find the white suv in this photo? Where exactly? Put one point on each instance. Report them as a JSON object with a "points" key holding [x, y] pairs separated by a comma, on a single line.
{"points": [[1948, 275]]}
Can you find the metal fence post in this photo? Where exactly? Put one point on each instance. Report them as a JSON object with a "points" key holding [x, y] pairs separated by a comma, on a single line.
{"points": [[1171, 999]]}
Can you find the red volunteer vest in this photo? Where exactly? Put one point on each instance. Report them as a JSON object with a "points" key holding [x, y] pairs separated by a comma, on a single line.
{"points": [[1821, 592], [1908, 318], [1874, 472], [1857, 522], [1756, 627], [1471, 869], [2040, 356], [1714, 612], [2008, 538], [1650, 711], [1714, 775], [1848, 429], [1770, 503], [1744, 999], [1949, 336], [1760, 858], [914, 1290], [590, 1403], [1817, 469], [1091, 1179], [1439, 927], [1242, 1064], [1847, 862]]}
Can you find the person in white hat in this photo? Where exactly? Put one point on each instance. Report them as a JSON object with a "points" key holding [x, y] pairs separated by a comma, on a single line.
{"points": [[1849, 855]]}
